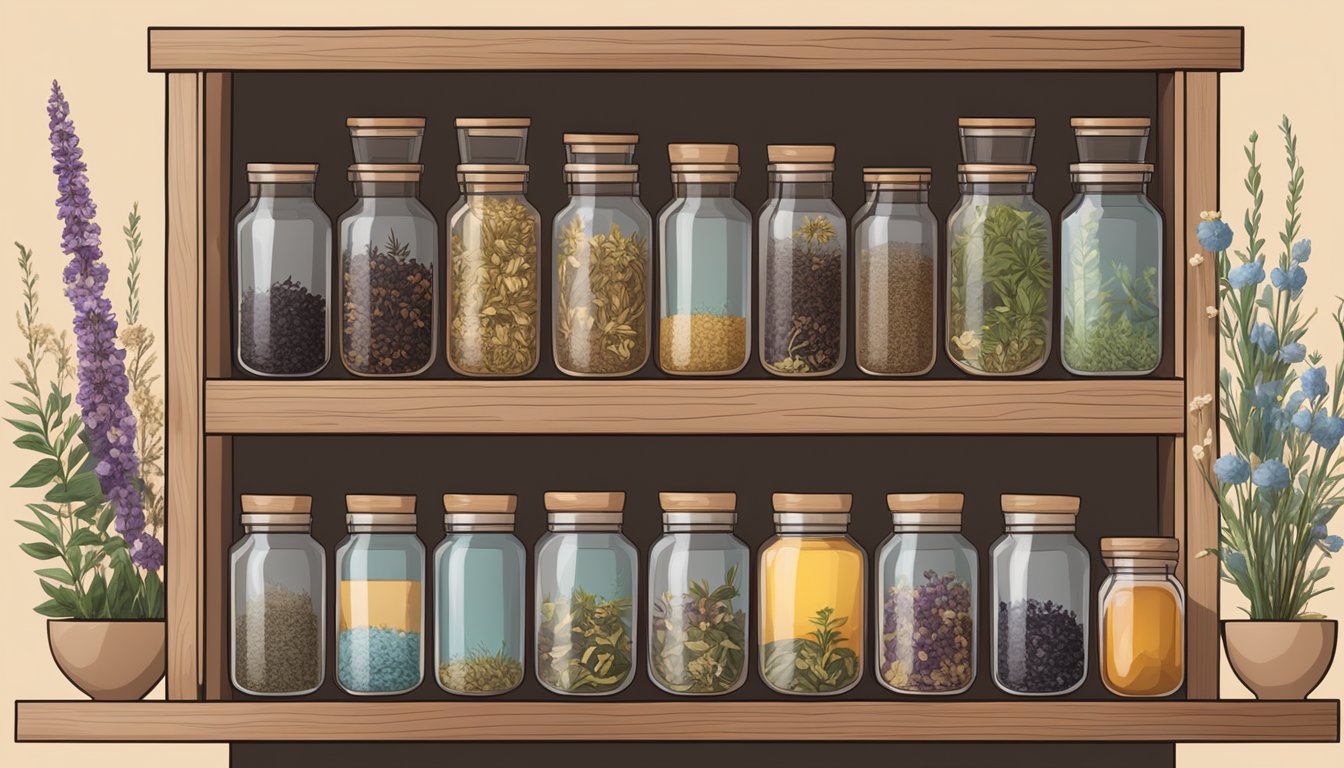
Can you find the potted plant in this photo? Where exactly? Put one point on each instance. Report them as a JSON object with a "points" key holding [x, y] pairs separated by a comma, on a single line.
{"points": [[98, 464], [1280, 485]]}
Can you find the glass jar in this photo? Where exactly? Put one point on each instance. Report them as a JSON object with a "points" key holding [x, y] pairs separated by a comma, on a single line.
{"points": [[1111, 139], [492, 140], [998, 140], [601, 148], [479, 573], [1111, 281], [812, 583], [928, 584], [282, 243], [494, 295], [704, 235], [380, 609], [802, 244], [386, 139], [698, 596], [896, 250], [1142, 609], [587, 574], [389, 254], [1000, 273], [277, 586], [1041, 594], [601, 293]]}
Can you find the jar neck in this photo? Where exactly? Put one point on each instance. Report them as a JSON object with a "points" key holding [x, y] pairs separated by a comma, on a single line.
{"points": [[898, 196], [582, 528], [672, 528], [1111, 188], [1067, 530], [605, 189], [474, 190], [281, 190], [377, 530], [251, 530], [801, 190], [386, 189], [1019, 189], [702, 190]]}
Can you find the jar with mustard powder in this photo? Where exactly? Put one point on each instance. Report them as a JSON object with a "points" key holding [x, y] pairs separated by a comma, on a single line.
{"points": [[1142, 610]]}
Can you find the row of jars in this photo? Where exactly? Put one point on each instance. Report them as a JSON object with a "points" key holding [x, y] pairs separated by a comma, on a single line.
{"points": [[813, 615], [1000, 277]]}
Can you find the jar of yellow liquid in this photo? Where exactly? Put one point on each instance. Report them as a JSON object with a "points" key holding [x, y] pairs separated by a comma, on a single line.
{"points": [[1142, 617], [812, 582]]}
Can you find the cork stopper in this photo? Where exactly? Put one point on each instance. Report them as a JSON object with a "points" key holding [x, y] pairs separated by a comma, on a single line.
{"points": [[492, 122], [1013, 123], [702, 154], [800, 153], [884, 176], [585, 501], [281, 173], [256, 503], [478, 513], [1111, 173], [480, 502], [1030, 511], [367, 513], [385, 126], [990, 173], [1112, 126], [385, 172], [698, 512], [1136, 548], [601, 173]]}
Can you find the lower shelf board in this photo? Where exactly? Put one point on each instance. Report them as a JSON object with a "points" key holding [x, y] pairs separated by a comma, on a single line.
{"points": [[969, 721]]}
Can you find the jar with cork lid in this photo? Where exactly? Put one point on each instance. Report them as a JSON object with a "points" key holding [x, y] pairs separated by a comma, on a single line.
{"points": [[277, 587], [586, 578], [380, 140], [698, 596], [1111, 139], [492, 140], [812, 597], [1142, 609], [600, 148], [997, 140]]}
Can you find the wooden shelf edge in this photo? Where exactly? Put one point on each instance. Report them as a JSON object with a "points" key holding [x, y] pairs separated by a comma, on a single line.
{"points": [[1025, 721]]}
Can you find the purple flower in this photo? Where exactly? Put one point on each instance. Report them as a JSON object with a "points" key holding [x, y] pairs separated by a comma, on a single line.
{"points": [[1214, 235], [1246, 275], [1271, 475], [1232, 469], [108, 421], [1301, 251], [1313, 384]]}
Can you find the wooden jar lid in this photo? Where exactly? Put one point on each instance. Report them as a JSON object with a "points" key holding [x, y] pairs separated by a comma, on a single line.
{"points": [[800, 153], [271, 505]]}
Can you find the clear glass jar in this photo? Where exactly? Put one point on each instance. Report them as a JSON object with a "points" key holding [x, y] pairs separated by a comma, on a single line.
{"points": [[698, 596], [389, 254], [282, 245], [380, 606], [1111, 139], [928, 587], [386, 139], [1142, 608], [1040, 597], [492, 140], [1111, 272], [802, 245], [587, 574], [494, 295], [998, 140], [479, 575], [601, 148], [601, 291], [277, 586], [896, 286], [704, 235], [1000, 273], [812, 585]]}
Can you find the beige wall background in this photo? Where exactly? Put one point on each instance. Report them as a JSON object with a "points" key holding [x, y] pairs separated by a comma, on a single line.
{"points": [[97, 50]]}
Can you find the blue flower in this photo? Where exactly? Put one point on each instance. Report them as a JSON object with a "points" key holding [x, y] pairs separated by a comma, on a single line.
{"points": [[1318, 531], [1266, 394], [1214, 235], [1251, 273], [1293, 353], [1264, 337], [1295, 279], [1313, 384], [1294, 402], [1332, 543], [1301, 251], [1232, 469], [1327, 431], [1271, 475], [1302, 420]]}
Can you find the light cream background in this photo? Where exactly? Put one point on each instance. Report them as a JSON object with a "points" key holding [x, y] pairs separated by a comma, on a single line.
{"points": [[97, 50]]}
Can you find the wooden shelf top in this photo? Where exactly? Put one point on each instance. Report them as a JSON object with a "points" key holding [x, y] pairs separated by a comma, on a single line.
{"points": [[726, 406], [700, 48]]}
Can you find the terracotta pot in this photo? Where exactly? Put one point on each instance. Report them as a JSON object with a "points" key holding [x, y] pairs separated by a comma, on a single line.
{"points": [[1280, 659], [110, 660]]}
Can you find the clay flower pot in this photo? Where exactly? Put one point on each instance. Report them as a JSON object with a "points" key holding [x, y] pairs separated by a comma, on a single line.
{"points": [[1280, 659], [110, 660]]}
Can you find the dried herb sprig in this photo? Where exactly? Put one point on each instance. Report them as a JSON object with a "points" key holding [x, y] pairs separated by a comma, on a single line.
{"points": [[698, 639], [602, 310], [818, 663], [481, 672], [494, 311], [583, 643]]}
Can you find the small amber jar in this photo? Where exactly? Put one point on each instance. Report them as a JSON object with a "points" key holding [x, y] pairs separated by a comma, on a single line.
{"points": [[1142, 610]]}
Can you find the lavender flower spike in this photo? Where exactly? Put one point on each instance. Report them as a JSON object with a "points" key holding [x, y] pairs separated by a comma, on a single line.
{"points": [[108, 420]]}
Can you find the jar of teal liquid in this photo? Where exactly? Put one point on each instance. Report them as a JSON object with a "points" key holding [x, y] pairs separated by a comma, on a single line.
{"points": [[478, 583]]}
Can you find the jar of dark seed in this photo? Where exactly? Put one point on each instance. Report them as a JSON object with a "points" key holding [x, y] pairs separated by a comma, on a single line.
{"points": [[277, 587], [802, 247], [896, 254], [282, 249], [389, 290], [1040, 597], [928, 587]]}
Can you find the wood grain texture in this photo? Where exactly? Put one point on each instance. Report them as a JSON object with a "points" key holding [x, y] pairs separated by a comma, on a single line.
{"points": [[928, 48], [217, 162], [1142, 406], [218, 538], [1103, 721]]}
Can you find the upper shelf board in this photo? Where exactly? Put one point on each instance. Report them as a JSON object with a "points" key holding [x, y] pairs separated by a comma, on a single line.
{"points": [[177, 49]]}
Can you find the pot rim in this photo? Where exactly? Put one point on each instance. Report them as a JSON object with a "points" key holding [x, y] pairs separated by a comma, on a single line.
{"points": [[1278, 621], [72, 620]]}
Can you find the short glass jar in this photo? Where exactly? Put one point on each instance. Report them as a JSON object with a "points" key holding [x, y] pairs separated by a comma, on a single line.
{"points": [[1111, 139], [386, 139], [928, 587], [492, 140], [998, 140], [812, 597], [1040, 597], [601, 148], [1142, 609], [479, 577], [277, 587], [587, 574], [282, 243], [698, 596], [380, 605]]}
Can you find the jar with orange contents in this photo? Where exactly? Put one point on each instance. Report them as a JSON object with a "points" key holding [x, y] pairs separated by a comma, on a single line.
{"points": [[1142, 610]]}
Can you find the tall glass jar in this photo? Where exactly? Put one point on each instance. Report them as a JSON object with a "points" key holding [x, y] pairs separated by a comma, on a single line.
{"points": [[389, 254], [1040, 597], [277, 586], [494, 297], [704, 236], [1142, 608], [698, 596], [282, 243], [587, 574], [896, 250], [479, 574], [1111, 281], [380, 607], [1000, 273], [812, 584], [928, 585], [802, 245], [601, 291]]}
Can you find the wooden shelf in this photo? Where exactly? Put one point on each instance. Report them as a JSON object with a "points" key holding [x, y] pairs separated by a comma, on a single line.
{"points": [[985, 407], [1074, 721]]}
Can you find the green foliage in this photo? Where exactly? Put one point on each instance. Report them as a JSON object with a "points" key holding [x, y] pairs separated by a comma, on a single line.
{"points": [[699, 638], [814, 664], [583, 642]]}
